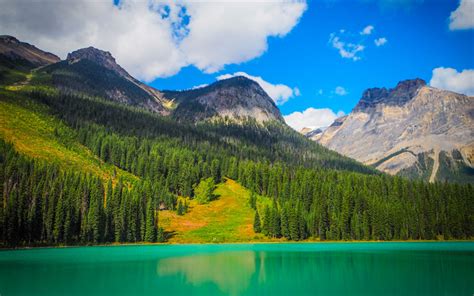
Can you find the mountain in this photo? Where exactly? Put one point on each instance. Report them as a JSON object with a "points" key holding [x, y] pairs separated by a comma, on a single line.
{"points": [[95, 72], [313, 134], [235, 98], [15, 54], [411, 130]]}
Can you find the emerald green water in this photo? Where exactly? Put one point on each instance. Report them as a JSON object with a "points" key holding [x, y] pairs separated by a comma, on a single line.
{"points": [[271, 269]]}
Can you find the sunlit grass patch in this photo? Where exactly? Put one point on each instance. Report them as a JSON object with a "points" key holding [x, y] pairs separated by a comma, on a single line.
{"points": [[227, 219]]}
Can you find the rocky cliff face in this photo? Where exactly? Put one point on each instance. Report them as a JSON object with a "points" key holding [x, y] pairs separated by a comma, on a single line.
{"points": [[412, 130], [236, 98], [16, 54]]}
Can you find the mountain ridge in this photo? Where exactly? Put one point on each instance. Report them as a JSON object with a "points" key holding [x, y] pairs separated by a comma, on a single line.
{"points": [[14, 53], [235, 98]]}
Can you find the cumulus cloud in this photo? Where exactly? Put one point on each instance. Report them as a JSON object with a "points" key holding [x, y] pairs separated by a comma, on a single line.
{"points": [[233, 32], [154, 38], [312, 118], [450, 79], [280, 93], [463, 16], [367, 30], [380, 41], [340, 91]]}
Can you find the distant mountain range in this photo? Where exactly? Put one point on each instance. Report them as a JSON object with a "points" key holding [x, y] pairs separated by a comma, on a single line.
{"points": [[95, 72], [412, 130]]}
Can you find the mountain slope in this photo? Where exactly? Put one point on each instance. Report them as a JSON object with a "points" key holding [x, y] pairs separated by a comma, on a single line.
{"points": [[236, 98], [412, 130], [36, 134]]}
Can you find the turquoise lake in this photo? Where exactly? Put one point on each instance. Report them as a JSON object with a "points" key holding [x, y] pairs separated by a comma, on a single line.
{"points": [[242, 269]]}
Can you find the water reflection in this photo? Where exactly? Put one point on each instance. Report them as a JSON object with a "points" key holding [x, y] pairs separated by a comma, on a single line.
{"points": [[239, 270], [321, 273], [230, 271]]}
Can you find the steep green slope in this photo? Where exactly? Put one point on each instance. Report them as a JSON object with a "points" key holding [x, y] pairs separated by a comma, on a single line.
{"points": [[34, 133]]}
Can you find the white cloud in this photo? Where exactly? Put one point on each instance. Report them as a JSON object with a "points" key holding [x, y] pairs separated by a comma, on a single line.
{"points": [[463, 16], [347, 50], [340, 91], [297, 92], [367, 30], [199, 86], [350, 45], [450, 79], [312, 118], [280, 93], [380, 41], [232, 32], [320, 91], [154, 38]]}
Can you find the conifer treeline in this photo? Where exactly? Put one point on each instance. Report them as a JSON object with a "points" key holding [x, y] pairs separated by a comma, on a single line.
{"points": [[314, 191], [348, 206], [42, 204]]}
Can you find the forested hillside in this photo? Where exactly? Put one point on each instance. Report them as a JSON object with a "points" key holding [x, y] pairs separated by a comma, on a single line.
{"points": [[77, 169], [315, 192]]}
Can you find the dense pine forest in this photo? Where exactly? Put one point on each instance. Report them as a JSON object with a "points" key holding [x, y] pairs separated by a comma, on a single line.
{"points": [[314, 192]]}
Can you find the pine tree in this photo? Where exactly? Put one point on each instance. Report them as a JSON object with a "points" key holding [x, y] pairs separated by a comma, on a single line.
{"points": [[253, 200], [285, 231], [151, 230], [267, 221], [256, 223]]}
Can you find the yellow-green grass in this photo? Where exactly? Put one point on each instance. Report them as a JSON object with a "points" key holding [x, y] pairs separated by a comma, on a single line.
{"points": [[34, 133], [227, 219]]}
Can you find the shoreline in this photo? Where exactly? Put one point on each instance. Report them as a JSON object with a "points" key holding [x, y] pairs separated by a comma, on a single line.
{"points": [[235, 243]]}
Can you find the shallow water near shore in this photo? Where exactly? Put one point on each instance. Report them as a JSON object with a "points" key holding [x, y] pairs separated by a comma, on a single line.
{"points": [[417, 268]]}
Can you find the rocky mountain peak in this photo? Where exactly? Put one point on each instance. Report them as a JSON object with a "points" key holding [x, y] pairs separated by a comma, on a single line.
{"points": [[398, 96], [8, 39], [103, 58], [235, 98]]}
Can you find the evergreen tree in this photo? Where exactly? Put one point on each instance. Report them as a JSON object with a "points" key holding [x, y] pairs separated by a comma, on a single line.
{"points": [[256, 222], [151, 230]]}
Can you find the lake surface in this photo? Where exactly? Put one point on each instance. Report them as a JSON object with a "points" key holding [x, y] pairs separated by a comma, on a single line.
{"points": [[247, 269]]}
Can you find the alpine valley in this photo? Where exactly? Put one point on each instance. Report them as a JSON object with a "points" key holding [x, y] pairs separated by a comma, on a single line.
{"points": [[91, 155]]}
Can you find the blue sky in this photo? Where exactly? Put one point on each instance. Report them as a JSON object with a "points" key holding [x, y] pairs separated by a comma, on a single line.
{"points": [[419, 40], [314, 58]]}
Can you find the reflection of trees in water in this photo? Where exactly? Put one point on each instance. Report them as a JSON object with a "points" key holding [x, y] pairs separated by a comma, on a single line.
{"points": [[322, 273], [230, 271]]}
